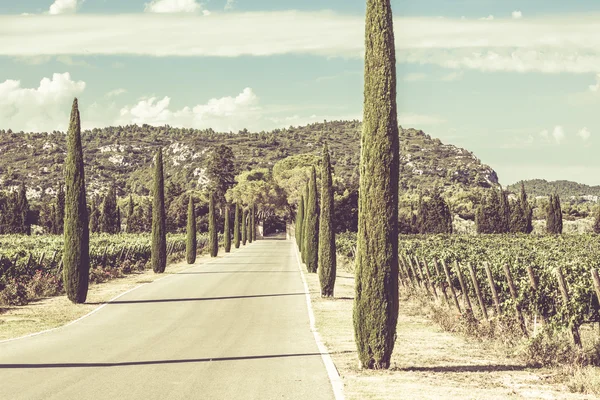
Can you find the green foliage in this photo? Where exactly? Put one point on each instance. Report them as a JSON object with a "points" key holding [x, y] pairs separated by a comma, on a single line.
{"points": [[159, 229], [327, 251], [244, 226], [434, 215], [257, 187], [59, 215], [597, 220], [376, 294], [191, 242], [299, 222], [227, 231], [109, 217], [554, 223], [76, 254], [564, 189], [236, 226], [493, 214], [304, 223], [521, 214], [221, 171], [253, 225], [311, 231], [292, 172], [213, 239]]}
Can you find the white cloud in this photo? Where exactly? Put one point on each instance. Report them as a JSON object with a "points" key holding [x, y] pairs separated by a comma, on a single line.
{"points": [[44, 108], [116, 92], [173, 6], [414, 77], [220, 114], [230, 4], [544, 134], [596, 87], [517, 14], [64, 6], [488, 18], [549, 44], [558, 134], [584, 134]]}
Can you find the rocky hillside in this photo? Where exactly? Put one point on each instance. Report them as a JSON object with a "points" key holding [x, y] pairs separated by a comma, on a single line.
{"points": [[123, 155]]}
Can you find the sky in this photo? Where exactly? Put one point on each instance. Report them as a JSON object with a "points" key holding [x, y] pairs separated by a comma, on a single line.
{"points": [[515, 82]]}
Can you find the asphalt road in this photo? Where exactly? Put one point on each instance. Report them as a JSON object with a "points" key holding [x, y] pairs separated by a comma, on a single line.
{"points": [[236, 328]]}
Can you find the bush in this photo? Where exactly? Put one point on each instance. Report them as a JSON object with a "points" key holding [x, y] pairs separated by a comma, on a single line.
{"points": [[44, 285], [14, 293]]}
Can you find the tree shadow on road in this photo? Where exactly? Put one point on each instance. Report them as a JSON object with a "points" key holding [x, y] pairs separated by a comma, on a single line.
{"points": [[198, 299], [465, 368]]}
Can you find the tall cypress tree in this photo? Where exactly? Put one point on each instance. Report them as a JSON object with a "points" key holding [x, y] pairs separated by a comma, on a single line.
{"points": [[130, 215], [191, 244], [76, 254], [244, 226], [251, 223], [23, 223], [312, 225], [527, 210], [227, 231], [558, 214], [327, 252], [213, 237], [109, 217], [551, 216], [236, 226], [376, 292], [159, 228], [299, 219], [59, 215], [253, 232], [304, 224], [504, 226], [596, 225]]}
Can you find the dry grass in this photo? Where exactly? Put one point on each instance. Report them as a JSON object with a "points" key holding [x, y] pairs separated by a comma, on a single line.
{"points": [[53, 312], [428, 363]]}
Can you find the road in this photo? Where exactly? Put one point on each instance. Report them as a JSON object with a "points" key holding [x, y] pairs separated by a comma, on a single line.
{"points": [[234, 328]]}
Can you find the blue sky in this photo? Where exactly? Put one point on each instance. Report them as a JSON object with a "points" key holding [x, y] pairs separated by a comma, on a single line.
{"points": [[517, 83]]}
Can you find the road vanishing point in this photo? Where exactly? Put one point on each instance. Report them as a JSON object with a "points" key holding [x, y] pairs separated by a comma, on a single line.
{"points": [[235, 327]]}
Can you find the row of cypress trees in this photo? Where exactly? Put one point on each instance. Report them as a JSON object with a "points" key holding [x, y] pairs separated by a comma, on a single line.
{"points": [[554, 223], [315, 234], [496, 214]]}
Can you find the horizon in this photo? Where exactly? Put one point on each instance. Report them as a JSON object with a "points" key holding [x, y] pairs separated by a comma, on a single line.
{"points": [[516, 85]]}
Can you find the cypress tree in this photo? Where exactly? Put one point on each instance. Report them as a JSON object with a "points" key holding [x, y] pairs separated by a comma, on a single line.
{"points": [[130, 218], [551, 216], [558, 218], [327, 251], [376, 293], [527, 210], [23, 223], [244, 226], [159, 229], [311, 240], [304, 224], [213, 238], [596, 226], [94, 216], [504, 223], [227, 231], [251, 223], [236, 227], [191, 244], [109, 218], [76, 254], [59, 215], [299, 218]]}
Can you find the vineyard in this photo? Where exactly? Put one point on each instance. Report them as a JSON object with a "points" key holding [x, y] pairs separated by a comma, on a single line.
{"points": [[548, 281], [28, 263]]}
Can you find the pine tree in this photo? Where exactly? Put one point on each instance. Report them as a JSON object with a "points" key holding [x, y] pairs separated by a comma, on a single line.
{"points": [[227, 231], [213, 237], [299, 221], [159, 228], [244, 226], [376, 294], [236, 226], [327, 250], [59, 214], [109, 218], [76, 254], [312, 225], [191, 244]]}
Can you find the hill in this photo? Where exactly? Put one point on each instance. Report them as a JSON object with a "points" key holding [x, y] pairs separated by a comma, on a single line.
{"points": [[567, 190], [123, 155]]}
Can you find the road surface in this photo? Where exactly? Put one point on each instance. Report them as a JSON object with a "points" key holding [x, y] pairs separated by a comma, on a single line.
{"points": [[236, 328]]}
